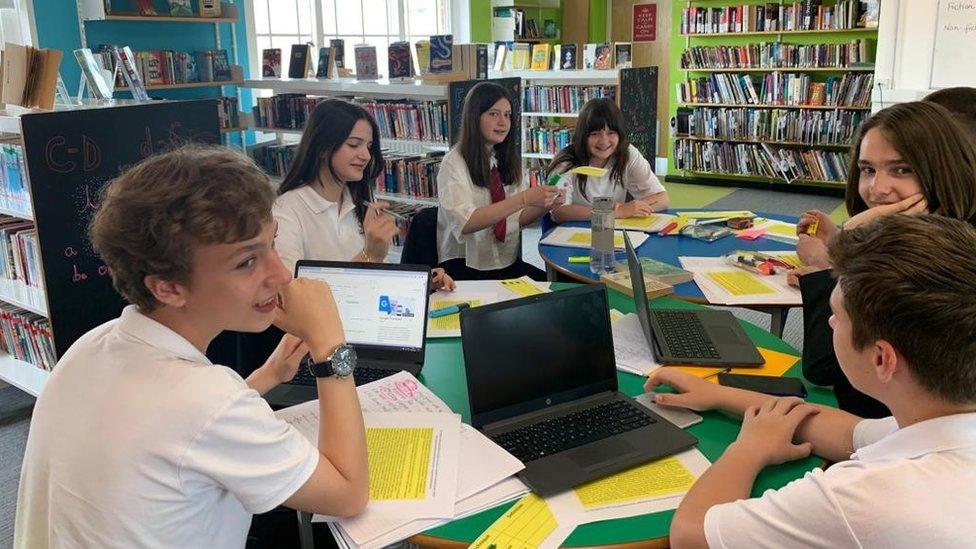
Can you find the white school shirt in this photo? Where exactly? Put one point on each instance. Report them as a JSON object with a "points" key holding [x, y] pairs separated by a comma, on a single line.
{"points": [[902, 488], [311, 227], [137, 440], [638, 179], [458, 197]]}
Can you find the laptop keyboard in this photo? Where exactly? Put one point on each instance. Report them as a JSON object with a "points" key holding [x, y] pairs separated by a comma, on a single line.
{"points": [[562, 433], [362, 376], [685, 335]]}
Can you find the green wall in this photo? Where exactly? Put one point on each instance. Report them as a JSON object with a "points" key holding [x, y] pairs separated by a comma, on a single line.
{"points": [[481, 20]]}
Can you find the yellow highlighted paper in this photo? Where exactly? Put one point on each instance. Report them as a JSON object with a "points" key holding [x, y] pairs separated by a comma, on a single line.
{"points": [[793, 260], [780, 228], [449, 322], [527, 524], [740, 283], [640, 223], [776, 364], [399, 462], [716, 215], [664, 477], [584, 238], [521, 287]]}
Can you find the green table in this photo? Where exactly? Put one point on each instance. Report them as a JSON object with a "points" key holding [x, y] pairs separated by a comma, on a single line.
{"points": [[443, 373]]}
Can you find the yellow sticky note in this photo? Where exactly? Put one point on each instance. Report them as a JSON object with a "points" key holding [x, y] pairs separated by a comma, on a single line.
{"points": [[521, 287], [776, 364], [663, 477], [780, 228], [589, 170], [585, 239], [739, 283], [449, 322], [716, 215], [638, 223], [793, 260], [527, 524], [399, 462]]}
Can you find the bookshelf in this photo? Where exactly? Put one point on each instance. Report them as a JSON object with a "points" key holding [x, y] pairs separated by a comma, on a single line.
{"points": [[508, 18], [772, 70], [401, 149], [52, 286]]}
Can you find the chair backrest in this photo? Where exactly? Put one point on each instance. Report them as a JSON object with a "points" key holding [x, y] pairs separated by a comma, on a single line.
{"points": [[420, 247]]}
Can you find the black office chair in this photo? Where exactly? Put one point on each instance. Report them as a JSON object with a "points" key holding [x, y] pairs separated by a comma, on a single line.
{"points": [[420, 247]]}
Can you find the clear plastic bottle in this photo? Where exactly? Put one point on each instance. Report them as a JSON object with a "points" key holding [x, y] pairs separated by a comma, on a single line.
{"points": [[601, 241]]}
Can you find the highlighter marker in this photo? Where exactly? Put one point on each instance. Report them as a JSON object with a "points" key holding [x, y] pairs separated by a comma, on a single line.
{"points": [[554, 179], [449, 310], [579, 259]]}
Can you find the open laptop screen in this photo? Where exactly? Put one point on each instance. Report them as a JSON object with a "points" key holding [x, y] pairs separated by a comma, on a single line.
{"points": [[640, 292], [535, 352], [380, 308]]}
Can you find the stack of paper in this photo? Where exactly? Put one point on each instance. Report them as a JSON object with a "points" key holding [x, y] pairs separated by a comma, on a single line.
{"points": [[576, 237], [724, 284], [476, 293], [411, 435], [650, 224], [780, 231], [630, 347], [545, 523]]}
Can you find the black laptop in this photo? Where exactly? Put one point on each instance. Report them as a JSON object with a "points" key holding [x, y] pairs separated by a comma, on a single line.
{"points": [[383, 308], [542, 383], [704, 337]]}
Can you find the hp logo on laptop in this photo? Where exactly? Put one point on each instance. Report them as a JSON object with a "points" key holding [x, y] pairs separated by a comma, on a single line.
{"points": [[548, 402]]}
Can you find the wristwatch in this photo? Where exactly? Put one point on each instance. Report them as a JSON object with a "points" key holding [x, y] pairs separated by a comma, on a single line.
{"points": [[340, 364]]}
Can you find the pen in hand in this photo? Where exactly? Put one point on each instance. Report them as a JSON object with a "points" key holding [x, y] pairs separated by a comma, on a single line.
{"points": [[390, 212]]}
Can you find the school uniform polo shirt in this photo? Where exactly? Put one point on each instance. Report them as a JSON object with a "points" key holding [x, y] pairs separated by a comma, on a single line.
{"points": [[902, 488], [458, 198], [638, 180], [137, 440], [311, 227]]}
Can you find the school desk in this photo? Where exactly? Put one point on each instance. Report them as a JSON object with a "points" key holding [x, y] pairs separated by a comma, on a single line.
{"points": [[443, 373], [668, 249]]}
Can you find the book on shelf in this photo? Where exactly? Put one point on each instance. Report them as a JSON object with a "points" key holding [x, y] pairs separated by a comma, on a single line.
{"points": [[15, 195], [322, 67], [623, 55], [400, 61], [563, 99], [27, 336], [589, 56], [568, 57], [275, 160], [760, 160], [780, 89], [603, 57], [339, 45], [557, 51], [366, 68], [471, 60], [300, 61], [204, 61], [180, 8], [441, 53], [776, 55], [521, 56], [96, 76], [540, 57], [210, 8], [146, 8], [498, 63], [127, 66], [542, 137], [271, 63], [870, 14], [409, 120], [221, 66], [228, 114], [423, 56], [549, 28], [771, 17], [812, 127], [30, 75], [410, 175]]}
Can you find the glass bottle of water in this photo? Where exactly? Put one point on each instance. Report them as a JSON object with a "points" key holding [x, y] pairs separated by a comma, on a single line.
{"points": [[601, 240]]}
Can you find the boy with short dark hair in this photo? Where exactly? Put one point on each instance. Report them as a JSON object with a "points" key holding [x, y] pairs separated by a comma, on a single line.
{"points": [[137, 439], [904, 323]]}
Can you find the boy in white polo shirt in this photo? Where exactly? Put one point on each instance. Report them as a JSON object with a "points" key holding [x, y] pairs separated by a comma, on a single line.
{"points": [[904, 321], [137, 439]]}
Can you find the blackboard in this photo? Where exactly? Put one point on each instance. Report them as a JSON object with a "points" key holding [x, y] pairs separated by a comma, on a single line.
{"points": [[638, 103], [457, 91], [70, 156]]}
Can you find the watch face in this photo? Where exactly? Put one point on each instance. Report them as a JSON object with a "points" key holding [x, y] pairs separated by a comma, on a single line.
{"points": [[344, 360]]}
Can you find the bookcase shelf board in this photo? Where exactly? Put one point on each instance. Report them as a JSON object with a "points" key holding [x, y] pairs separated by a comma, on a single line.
{"points": [[768, 142], [188, 85], [348, 86], [22, 375], [786, 69], [776, 33], [807, 107], [135, 17]]}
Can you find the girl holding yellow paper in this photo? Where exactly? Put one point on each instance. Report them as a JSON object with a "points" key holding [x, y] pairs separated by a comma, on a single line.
{"points": [[600, 161]]}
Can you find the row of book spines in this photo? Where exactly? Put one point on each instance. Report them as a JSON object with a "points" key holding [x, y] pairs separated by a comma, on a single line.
{"points": [[174, 67], [563, 99], [547, 140], [228, 114], [14, 187], [794, 89], [274, 159], [27, 336], [741, 119], [761, 161], [20, 255], [427, 121], [778, 55], [410, 176], [770, 17]]}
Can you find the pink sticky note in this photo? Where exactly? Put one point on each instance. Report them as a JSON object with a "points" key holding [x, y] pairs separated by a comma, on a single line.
{"points": [[752, 234]]}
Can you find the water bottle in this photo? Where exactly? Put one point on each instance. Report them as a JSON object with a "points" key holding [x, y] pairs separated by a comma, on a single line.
{"points": [[601, 235]]}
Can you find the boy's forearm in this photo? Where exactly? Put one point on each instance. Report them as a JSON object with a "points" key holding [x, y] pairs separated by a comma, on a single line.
{"points": [[342, 434]]}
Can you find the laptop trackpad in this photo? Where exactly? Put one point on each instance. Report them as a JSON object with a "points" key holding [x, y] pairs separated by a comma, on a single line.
{"points": [[600, 454], [723, 335]]}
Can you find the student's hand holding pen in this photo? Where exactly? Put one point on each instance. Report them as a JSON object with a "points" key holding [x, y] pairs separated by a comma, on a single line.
{"points": [[825, 230], [378, 230], [543, 196]]}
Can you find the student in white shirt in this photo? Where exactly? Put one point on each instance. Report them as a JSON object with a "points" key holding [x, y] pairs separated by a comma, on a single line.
{"points": [[322, 210], [600, 140], [904, 324], [137, 439], [483, 201]]}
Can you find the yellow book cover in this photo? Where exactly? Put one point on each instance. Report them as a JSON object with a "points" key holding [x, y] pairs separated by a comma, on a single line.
{"points": [[540, 57]]}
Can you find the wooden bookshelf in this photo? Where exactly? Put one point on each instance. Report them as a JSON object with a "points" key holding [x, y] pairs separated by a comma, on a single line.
{"points": [[168, 18], [764, 106], [188, 85]]}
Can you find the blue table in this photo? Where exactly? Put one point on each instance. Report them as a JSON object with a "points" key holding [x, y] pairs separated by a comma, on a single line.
{"points": [[668, 249]]}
